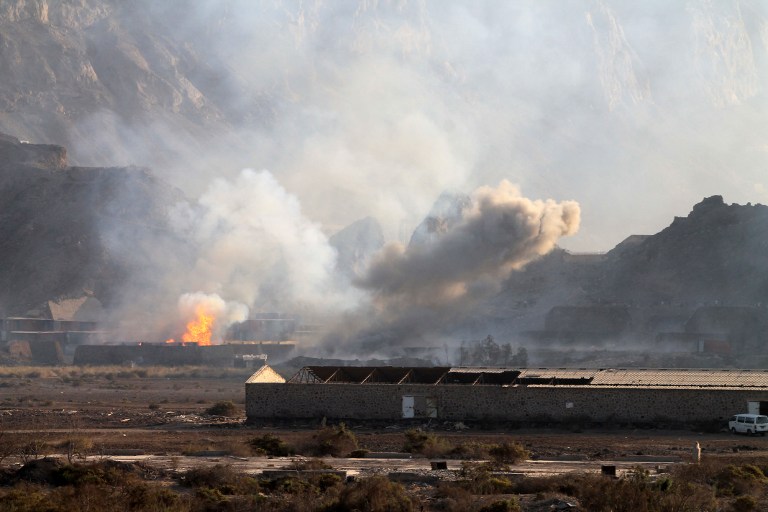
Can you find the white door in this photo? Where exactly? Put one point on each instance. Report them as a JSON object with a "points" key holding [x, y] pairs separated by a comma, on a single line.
{"points": [[408, 406], [753, 407]]}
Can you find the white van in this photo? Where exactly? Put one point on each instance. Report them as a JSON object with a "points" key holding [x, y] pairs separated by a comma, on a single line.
{"points": [[748, 424]]}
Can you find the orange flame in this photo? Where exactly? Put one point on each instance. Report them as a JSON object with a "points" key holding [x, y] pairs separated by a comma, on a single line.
{"points": [[200, 329], [170, 341]]}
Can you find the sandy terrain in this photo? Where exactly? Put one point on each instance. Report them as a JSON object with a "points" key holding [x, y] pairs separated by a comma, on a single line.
{"points": [[164, 416]]}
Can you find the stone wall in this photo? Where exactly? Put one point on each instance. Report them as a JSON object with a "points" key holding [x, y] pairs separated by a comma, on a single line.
{"points": [[497, 403]]}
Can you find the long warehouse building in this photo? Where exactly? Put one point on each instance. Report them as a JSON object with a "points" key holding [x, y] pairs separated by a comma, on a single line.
{"points": [[558, 395]]}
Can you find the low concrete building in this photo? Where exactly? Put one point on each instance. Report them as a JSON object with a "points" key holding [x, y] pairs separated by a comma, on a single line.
{"points": [[556, 395]]}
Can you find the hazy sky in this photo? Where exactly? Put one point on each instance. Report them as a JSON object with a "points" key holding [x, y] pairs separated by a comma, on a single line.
{"points": [[636, 112], [628, 113]]}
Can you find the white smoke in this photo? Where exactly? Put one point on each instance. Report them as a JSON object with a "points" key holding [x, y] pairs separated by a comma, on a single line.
{"points": [[257, 247], [383, 105]]}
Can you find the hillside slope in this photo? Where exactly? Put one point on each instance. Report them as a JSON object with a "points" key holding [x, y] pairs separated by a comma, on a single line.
{"points": [[68, 232]]}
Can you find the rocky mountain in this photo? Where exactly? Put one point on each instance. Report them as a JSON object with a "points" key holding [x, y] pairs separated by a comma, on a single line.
{"points": [[355, 244], [445, 213], [714, 257], [72, 232], [73, 71]]}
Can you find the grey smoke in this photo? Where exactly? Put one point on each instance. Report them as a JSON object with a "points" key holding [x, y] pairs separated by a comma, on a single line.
{"points": [[425, 287], [634, 109], [607, 102]]}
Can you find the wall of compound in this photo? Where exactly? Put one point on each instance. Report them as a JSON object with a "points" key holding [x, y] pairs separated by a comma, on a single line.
{"points": [[496, 403]]}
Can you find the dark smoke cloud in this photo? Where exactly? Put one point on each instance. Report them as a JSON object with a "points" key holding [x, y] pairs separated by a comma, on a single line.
{"points": [[419, 289]]}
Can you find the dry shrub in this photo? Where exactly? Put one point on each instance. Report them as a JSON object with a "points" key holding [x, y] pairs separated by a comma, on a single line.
{"points": [[452, 498], [508, 505], [425, 443], [375, 494], [335, 441], [270, 444], [106, 485], [479, 479], [744, 504], [508, 453], [76, 447], [27, 498], [220, 478], [637, 492], [225, 408], [542, 485], [34, 449], [471, 450], [738, 480]]}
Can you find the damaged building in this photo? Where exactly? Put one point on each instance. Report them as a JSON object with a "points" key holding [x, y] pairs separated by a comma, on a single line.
{"points": [[524, 396], [176, 354]]}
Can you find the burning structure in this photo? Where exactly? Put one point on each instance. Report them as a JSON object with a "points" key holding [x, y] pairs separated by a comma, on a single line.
{"points": [[198, 345]]}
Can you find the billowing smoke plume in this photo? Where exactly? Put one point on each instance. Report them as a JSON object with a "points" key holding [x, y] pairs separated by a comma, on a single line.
{"points": [[419, 289], [256, 247]]}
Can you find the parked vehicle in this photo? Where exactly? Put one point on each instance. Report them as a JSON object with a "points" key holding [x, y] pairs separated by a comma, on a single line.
{"points": [[748, 424]]}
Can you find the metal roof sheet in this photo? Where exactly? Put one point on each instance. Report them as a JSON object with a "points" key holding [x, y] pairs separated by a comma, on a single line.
{"points": [[596, 377]]}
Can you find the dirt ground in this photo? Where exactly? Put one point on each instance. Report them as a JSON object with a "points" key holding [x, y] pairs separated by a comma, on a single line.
{"points": [[162, 413]]}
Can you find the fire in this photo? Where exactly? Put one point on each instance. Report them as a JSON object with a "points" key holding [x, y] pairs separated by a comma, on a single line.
{"points": [[200, 329]]}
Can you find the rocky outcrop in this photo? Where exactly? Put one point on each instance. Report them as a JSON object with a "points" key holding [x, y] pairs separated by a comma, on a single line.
{"points": [[18, 153], [72, 69], [70, 232], [355, 244]]}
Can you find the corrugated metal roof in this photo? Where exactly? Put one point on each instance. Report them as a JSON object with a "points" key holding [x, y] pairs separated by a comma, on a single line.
{"points": [[685, 378], [558, 373], [597, 377]]}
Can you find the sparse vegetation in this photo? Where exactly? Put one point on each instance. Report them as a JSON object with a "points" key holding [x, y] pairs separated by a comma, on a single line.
{"points": [[220, 478], [425, 443], [337, 441], [375, 494], [270, 444], [508, 453], [53, 485], [225, 408]]}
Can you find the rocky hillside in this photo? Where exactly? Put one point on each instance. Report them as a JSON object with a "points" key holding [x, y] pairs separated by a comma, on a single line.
{"points": [[70, 232], [714, 256], [98, 70]]}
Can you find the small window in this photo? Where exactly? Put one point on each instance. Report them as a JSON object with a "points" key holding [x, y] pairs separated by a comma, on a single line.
{"points": [[733, 418], [762, 420], [749, 420], [741, 419]]}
